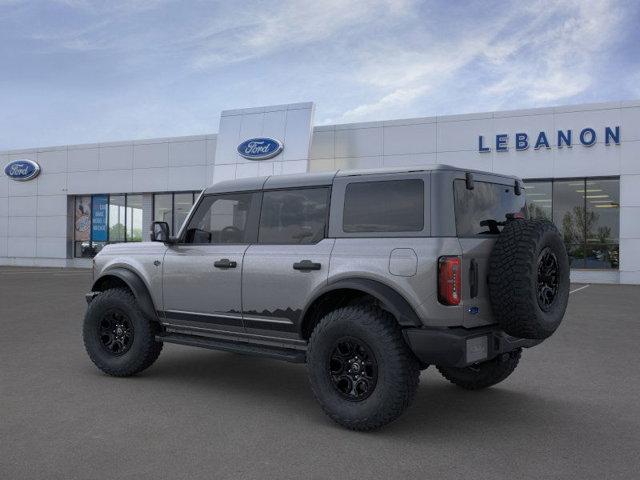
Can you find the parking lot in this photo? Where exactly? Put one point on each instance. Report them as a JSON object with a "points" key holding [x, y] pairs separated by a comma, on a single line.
{"points": [[571, 409]]}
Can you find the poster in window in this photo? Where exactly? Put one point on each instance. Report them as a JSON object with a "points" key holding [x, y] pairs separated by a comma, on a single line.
{"points": [[99, 210], [83, 219]]}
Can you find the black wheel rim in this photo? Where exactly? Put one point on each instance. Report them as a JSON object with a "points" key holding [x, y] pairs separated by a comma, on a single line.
{"points": [[115, 332], [548, 273], [353, 369]]}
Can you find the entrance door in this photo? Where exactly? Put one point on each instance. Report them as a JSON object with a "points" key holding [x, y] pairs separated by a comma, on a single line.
{"points": [[289, 261], [202, 275]]}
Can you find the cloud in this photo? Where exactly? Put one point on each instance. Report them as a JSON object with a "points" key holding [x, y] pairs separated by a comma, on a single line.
{"points": [[541, 53]]}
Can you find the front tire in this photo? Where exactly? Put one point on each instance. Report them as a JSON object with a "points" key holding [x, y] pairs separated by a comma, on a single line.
{"points": [[361, 371], [119, 339], [483, 375]]}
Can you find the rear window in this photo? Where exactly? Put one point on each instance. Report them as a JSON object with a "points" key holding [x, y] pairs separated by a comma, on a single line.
{"points": [[385, 206], [483, 210]]}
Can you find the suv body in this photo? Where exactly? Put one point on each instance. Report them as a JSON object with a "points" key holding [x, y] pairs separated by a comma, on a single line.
{"points": [[367, 276], [261, 287]]}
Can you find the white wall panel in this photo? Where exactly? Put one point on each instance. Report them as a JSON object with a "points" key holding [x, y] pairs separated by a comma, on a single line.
{"points": [[115, 181], [52, 183], [358, 142], [4, 206], [297, 135], [188, 153], [463, 135], [630, 191], [629, 224], [322, 145], [151, 155], [22, 207], [358, 163], [52, 226], [21, 246], [630, 124], [228, 139], [84, 182], [467, 159], [630, 157], [581, 161], [22, 189], [420, 138], [118, 157], [186, 178], [83, 159], [417, 159], [53, 161], [3, 248], [51, 247], [245, 170], [51, 205], [4, 227], [22, 227], [150, 179], [273, 125]]}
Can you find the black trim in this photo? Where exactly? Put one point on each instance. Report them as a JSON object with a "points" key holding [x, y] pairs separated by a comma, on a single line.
{"points": [[135, 284], [266, 325], [279, 353], [447, 347], [391, 300], [202, 318]]}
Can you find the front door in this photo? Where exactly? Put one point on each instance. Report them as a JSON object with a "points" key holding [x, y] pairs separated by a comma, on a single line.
{"points": [[288, 263], [202, 275]]}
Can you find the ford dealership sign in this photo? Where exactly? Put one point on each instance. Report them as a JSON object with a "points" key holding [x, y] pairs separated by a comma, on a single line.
{"points": [[22, 170], [564, 138], [260, 148]]}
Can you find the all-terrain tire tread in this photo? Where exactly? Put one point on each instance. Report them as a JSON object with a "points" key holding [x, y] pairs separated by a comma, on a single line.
{"points": [[150, 350], [405, 377]]}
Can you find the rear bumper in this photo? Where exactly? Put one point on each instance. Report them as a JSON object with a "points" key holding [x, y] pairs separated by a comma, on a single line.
{"points": [[461, 347]]}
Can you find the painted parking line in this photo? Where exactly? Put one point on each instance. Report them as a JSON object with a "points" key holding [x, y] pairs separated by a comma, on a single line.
{"points": [[580, 288]]}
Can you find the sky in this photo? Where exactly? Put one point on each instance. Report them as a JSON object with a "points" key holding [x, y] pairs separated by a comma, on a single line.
{"points": [[80, 71]]}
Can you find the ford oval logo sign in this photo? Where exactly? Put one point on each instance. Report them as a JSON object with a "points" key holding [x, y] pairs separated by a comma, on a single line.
{"points": [[22, 170], [260, 148]]}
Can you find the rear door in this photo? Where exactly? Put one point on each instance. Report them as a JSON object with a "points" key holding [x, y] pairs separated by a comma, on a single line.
{"points": [[289, 261], [480, 214]]}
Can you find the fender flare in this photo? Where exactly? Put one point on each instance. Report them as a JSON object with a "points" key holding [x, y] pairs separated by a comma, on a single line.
{"points": [[135, 284], [391, 300]]}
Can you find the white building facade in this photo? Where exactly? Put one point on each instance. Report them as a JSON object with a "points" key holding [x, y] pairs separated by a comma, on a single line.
{"points": [[581, 165]]}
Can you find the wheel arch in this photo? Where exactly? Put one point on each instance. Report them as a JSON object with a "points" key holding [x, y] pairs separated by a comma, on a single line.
{"points": [[348, 290], [122, 277]]}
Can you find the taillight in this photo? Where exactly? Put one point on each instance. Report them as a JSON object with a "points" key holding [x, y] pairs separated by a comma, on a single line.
{"points": [[449, 280]]}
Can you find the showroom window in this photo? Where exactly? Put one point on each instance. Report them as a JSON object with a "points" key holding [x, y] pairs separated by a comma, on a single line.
{"points": [[103, 219], [587, 213], [173, 208]]}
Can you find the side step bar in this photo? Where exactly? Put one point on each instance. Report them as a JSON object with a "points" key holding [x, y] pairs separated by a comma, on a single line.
{"points": [[286, 354]]}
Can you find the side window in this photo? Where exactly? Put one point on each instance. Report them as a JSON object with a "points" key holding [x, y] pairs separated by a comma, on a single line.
{"points": [[220, 219], [384, 206], [296, 216], [483, 210]]}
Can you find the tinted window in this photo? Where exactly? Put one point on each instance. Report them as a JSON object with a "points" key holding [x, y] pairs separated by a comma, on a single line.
{"points": [[293, 216], [387, 206], [220, 219], [484, 209]]}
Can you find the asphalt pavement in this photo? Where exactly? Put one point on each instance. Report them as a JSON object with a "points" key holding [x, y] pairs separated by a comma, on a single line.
{"points": [[570, 410]]}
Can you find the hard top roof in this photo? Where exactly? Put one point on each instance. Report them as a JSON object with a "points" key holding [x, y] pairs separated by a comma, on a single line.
{"points": [[325, 178]]}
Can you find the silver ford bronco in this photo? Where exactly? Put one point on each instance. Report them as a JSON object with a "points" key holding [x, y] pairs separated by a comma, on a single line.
{"points": [[365, 276]]}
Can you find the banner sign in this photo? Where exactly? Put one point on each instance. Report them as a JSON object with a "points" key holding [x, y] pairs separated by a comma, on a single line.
{"points": [[99, 208]]}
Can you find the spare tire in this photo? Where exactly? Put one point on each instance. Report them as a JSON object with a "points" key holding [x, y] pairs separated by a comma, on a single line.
{"points": [[529, 278]]}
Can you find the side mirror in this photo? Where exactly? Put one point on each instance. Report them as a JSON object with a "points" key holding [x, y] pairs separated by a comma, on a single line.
{"points": [[159, 232]]}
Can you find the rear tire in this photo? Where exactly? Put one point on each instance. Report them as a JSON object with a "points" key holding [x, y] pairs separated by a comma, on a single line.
{"points": [[483, 375], [361, 371], [119, 339]]}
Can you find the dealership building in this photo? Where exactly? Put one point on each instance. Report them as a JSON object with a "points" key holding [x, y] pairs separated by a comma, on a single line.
{"points": [[581, 165]]}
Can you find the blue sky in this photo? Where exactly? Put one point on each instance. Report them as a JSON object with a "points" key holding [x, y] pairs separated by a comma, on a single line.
{"points": [[77, 71]]}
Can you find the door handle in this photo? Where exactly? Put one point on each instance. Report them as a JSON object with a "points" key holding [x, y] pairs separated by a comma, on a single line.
{"points": [[224, 263], [306, 265]]}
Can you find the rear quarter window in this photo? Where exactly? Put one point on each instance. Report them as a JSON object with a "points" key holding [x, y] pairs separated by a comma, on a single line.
{"points": [[384, 206], [483, 210]]}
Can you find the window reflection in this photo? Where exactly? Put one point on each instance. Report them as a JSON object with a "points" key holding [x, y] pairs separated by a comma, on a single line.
{"points": [[587, 214]]}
